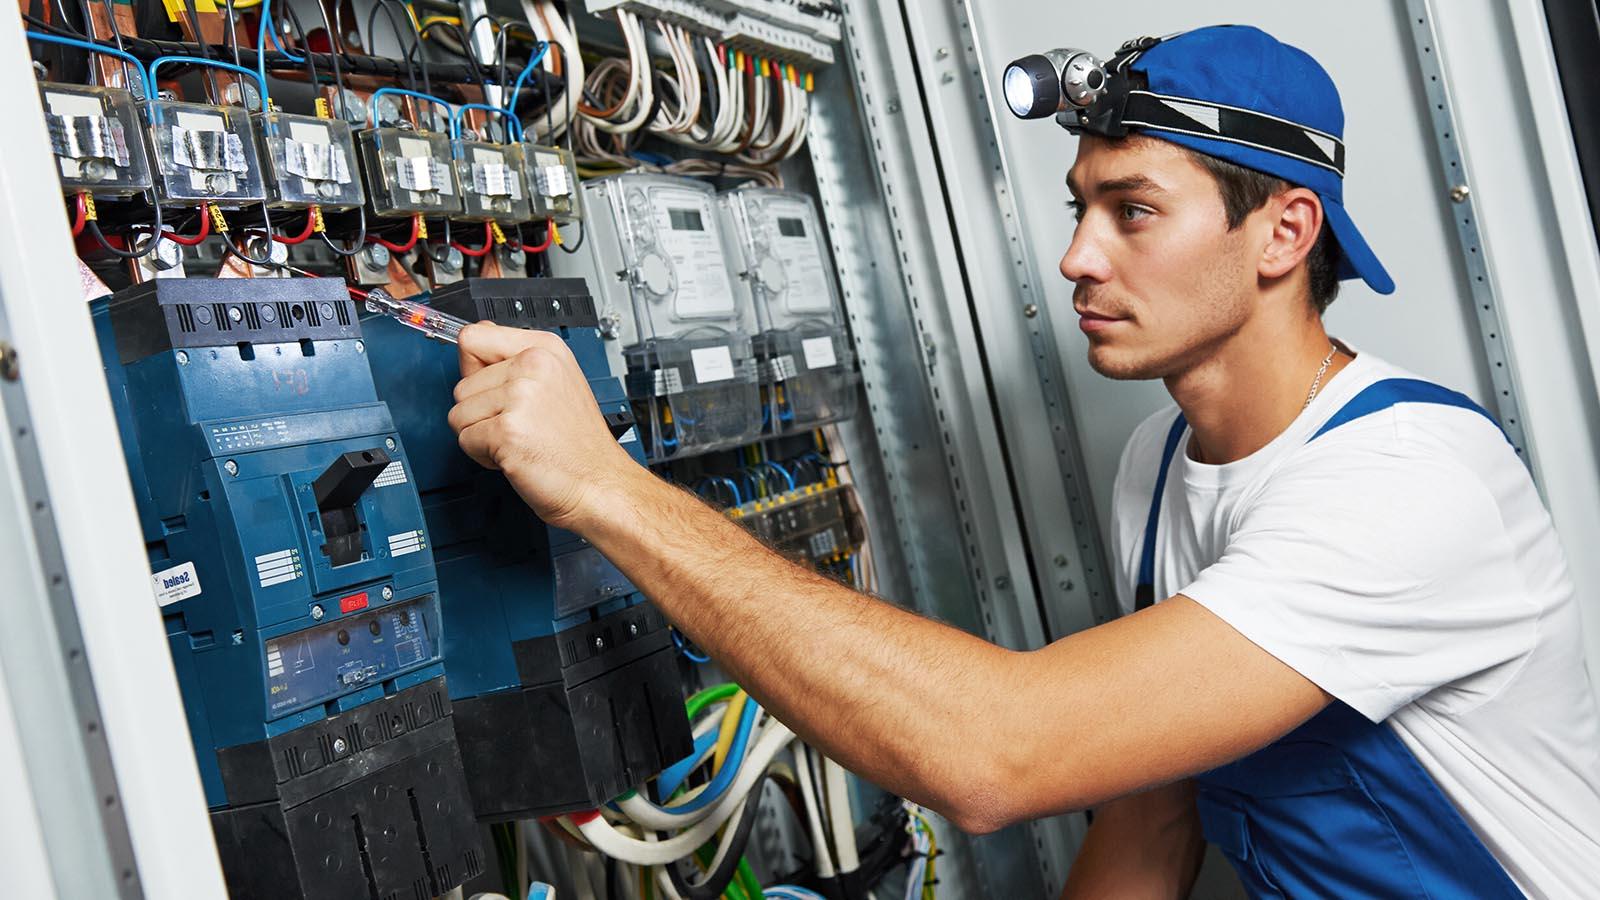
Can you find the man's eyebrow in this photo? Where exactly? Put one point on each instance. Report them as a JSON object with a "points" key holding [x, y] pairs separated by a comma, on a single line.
{"points": [[1125, 183]]}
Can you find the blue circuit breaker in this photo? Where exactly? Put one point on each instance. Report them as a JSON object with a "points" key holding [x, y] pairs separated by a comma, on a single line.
{"points": [[563, 678], [296, 576]]}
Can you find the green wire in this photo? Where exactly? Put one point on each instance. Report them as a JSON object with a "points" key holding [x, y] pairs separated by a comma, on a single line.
{"points": [[747, 877], [710, 695]]}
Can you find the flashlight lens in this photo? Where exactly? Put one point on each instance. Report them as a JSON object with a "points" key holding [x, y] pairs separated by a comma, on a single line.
{"points": [[1019, 90]]}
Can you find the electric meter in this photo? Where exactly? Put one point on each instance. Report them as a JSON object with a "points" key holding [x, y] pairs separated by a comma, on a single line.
{"points": [[95, 135], [808, 367], [310, 162], [409, 172], [655, 251], [491, 182], [203, 154], [551, 174]]}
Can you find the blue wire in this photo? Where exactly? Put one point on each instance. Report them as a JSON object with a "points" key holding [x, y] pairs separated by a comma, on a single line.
{"points": [[372, 103], [683, 648], [512, 125], [791, 892], [540, 891], [738, 500], [673, 776], [516, 88], [261, 81], [730, 766], [96, 48], [782, 471], [267, 29]]}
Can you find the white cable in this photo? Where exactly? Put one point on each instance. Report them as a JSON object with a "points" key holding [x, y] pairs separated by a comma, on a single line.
{"points": [[843, 824], [608, 840], [819, 841]]}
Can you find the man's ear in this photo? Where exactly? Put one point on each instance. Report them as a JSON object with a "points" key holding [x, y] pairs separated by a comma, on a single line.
{"points": [[1298, 221]]}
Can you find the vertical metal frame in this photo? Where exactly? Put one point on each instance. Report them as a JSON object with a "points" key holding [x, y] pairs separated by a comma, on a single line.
{"points": [[104, 740], [1458, 185]]}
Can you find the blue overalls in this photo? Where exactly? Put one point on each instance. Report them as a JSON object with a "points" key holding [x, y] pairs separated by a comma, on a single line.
{"points": [[1338, 807]]}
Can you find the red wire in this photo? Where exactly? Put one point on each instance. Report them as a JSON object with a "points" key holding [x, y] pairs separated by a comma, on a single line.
{"points": [[549, 234], [399, 248], [302, 237], [488, 243], [81, 217], [205, 230]]}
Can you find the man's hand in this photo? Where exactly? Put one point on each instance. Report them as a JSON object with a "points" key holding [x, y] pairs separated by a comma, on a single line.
{"points": [[523, 406]]}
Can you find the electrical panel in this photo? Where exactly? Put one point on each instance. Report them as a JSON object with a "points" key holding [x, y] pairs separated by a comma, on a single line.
{"points": [[804, 348], [657, 248], [203, 154], [563, 679], [296, 576], [409, 173], [311, 161], [96, 138], [795, 32], [818, 524]]}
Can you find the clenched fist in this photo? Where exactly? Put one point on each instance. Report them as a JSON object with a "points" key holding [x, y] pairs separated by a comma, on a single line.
{"points": [[523, 406]]}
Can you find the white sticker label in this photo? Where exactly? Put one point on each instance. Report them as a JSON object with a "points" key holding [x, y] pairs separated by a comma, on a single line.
{"points": [[712, 364], [405, 542], [278, 568], [176, 583], [629, 436], [393, 473], [819, 353], [686, 226]]}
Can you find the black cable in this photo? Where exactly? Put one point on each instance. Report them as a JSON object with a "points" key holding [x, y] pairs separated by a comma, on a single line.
{"points": [[155, 232], [266, 213], [336, 45], [305, 43], [717, 880], [400, 37], [483, 83], [357, 245]]}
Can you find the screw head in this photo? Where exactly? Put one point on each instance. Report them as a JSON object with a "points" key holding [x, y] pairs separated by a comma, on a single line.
{"points": [[389, 444], [1060, 560], [1003, 583], [893, 106], [1031, 310], [317, 612], [339, 745], [183, 357], [9, 370], [388, 592], [633, 629], [376, 256], [361, 346], [1460, 193], [231, 467], [599, 642], [1066, 584], [942, 53], [235, 314], [947, 77]]}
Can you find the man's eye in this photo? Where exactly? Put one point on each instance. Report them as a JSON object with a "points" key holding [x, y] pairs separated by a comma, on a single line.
{"points": [[1131, 213], [1077, 209]]}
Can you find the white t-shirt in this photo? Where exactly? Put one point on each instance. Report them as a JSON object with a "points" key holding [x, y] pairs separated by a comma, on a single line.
{"points": [[1405, 564]]}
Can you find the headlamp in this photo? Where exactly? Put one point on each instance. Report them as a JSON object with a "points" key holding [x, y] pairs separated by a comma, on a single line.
{"points": [[1108, 98]]}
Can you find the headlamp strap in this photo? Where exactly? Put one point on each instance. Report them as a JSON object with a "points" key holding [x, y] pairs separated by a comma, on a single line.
{"points": [[1201, 118]]}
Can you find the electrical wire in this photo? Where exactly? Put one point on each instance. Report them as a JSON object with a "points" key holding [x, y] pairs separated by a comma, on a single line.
{"points": [[416, 230], [197, 238], [80, 215], [724, 865], [303, 236], [488, 243], [839, 818], [808, 790]]}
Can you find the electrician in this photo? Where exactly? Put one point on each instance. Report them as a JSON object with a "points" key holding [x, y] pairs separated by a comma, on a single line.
{"points": [[1366, 678]]}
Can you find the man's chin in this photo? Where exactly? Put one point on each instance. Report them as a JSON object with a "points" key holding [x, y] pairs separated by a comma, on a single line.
{"points": [[1118, 366]]}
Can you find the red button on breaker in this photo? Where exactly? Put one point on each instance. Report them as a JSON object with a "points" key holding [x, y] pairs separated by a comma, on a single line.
{"points": [[353, 602]]}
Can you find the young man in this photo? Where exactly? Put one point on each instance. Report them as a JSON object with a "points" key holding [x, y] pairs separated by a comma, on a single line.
{"points": [[1366, 679]]}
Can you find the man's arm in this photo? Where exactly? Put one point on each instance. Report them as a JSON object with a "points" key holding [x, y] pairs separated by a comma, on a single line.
{"points": [[984, 735], [1144, 846]]}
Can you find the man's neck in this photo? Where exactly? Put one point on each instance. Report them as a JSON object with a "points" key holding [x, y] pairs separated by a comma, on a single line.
{"points": [[1253, 387]]}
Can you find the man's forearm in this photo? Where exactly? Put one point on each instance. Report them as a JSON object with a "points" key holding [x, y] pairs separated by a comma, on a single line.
{"points": [[892, 696]]}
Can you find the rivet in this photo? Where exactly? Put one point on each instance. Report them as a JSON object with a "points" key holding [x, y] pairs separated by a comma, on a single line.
{"points": [[1460, 193]]}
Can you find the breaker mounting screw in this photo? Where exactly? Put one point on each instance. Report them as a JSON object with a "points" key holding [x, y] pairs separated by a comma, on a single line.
{"points": [[599, 643], [1460, 193], [388, 592], [389, 444], [1031, 310], [339, 746], [317, 612], [231, 467], [633, 629]]}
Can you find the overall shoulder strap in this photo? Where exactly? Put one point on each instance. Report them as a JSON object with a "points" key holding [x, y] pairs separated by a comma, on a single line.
{"points": [[1381, 395], [1144, 592]]}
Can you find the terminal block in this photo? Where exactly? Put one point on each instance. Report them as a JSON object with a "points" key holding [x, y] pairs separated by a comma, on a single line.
{"points": [[552, 177], [96, 138], [203, 154], [491, 182], [409, 173], [310, 162]]}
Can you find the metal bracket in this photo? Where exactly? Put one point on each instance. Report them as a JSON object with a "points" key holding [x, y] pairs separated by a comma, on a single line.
{"points": [[1458, 187]]}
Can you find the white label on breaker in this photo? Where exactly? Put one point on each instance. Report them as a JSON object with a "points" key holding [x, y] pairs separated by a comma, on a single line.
{"points": [[819, 353], [629, 436], [712, 364], [176, 583], [687, 226]]}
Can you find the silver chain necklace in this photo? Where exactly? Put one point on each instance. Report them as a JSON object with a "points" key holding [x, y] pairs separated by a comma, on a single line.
{"points": [[1316, 383]]}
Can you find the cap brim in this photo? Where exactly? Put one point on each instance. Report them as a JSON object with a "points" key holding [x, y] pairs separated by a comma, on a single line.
{"points": [[1356, 259]]}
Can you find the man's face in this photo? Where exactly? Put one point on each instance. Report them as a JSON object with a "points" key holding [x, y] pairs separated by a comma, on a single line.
{"points": [[1161, 281]]}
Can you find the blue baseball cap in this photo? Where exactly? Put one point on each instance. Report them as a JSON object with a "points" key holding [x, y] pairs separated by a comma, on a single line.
{"points": [[1245, 68]]}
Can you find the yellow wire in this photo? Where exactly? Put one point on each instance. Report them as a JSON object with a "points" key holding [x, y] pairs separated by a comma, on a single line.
{"points": [[730, 724], [246, 4]]}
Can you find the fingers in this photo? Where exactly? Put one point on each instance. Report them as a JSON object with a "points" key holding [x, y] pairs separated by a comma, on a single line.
{"points": [[476, 408], [478, 441], [541, 349], [483, 344]]}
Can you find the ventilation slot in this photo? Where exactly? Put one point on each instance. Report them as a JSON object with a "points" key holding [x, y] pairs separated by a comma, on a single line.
{"points": [[185, 318], [285, 315], [220, 311], [313, 315], [252, 317], [342, 310]]}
